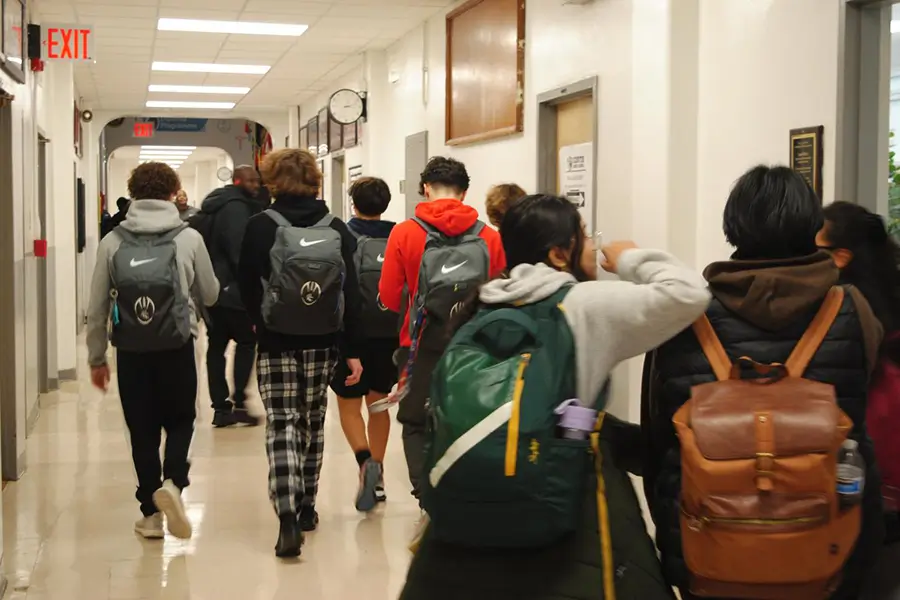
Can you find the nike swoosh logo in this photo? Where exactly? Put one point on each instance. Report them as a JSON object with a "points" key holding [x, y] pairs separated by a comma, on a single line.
{"points": [[138, 263], [306, 244], [380, 258], [445, 269]]}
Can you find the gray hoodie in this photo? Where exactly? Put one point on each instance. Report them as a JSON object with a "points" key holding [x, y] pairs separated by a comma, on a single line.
{"points": [[194, 267], [611, 321]]}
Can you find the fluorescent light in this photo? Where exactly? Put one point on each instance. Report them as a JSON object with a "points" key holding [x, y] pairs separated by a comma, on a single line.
{"points": [[199, 89], [177, 104], [163, 158], [176, 148], [895, 26], [166, 152], [181, 67], [239, 27]]}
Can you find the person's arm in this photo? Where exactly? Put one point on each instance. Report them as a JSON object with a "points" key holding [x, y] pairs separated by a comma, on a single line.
{"points": [[656, 298], [351, 339], [393, 273], [250, 268], [98, 307], [205, 282]]}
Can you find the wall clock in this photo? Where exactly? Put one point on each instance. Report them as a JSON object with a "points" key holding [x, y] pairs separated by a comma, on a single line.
{"points": [[347, 106], [224, 174]]}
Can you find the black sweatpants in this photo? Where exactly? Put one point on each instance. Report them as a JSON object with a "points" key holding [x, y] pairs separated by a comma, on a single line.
{"points": [[159, 392], [226, 324], [413, 413]]}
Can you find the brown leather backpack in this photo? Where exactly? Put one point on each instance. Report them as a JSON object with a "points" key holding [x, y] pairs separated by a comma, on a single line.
{"points": [[759, 508]]}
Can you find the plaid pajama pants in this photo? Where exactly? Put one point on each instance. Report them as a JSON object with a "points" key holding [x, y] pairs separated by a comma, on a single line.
{"points": [[294, 390]]}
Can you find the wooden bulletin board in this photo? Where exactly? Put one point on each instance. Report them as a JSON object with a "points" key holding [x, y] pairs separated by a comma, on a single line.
{"points": [[312, 136], [351, 135], [335, 136], [324, 132], [304, 138], [478, 41]]}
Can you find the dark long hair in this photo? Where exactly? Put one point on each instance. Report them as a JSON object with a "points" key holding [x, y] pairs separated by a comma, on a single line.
{"points": [[531, 228], [874, 267]]}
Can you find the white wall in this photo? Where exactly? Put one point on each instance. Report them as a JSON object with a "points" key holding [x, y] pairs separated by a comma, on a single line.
{"points": [[691, 94]]}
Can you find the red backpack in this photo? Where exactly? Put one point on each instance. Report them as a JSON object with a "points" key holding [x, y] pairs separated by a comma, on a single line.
{"points": [[883, 422]]}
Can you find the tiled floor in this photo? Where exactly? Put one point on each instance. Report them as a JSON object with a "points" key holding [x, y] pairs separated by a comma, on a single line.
{"points": [[67, 525]]}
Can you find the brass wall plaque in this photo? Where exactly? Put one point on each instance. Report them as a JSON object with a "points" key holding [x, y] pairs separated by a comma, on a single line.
{"points": [[807, 156]]}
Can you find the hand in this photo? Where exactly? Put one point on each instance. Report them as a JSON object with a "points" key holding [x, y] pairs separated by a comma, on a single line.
{"points": [[100, 377], [612, 252], [356, 370]]}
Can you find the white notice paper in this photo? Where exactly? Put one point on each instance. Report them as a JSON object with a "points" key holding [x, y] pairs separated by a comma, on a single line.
{"points": [[576, 179]]}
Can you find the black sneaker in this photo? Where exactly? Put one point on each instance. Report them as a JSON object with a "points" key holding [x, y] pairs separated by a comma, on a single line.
{"points": [[243, 417], [309, 519], [224, 418], [290, 538]]}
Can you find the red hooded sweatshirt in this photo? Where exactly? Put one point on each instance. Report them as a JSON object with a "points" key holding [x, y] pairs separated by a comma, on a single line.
{"points": [[407, 243]]}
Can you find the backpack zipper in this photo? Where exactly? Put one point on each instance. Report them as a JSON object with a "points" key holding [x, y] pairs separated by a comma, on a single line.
{"points": [[698, 523], [512, 434]]}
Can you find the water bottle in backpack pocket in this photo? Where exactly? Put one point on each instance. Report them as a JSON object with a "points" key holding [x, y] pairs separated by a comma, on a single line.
{"points": [[378, 320], [149, 309], [452, 269], [305, 291]]}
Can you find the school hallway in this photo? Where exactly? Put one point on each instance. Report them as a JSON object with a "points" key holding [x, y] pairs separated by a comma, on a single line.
{"points": [[68, 522]]}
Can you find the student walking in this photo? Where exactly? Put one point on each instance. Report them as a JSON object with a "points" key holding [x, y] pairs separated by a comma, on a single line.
{"points": [[431, 264], [299, 284], [499, 198], [223, 217], [148, 271], [371, 197]]}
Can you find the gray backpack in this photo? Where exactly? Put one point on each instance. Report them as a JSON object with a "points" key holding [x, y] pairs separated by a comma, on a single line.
{"points": [[378, 321], [452, 268], [305, 292], [150, 311]]}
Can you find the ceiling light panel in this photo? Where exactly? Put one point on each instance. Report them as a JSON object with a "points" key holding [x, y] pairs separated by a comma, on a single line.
{"points": [[179, 104], [176, 148], [161, 158], [184, 67], [232, 27], [166, 152], [199, 89]]}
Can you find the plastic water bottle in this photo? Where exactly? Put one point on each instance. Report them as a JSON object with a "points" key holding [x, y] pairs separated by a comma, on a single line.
{"points": [[851, 474], [575, 421]]}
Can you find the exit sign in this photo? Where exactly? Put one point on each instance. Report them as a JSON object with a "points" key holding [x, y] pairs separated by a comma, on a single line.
{"points": [[143, 130], [67, 42]]}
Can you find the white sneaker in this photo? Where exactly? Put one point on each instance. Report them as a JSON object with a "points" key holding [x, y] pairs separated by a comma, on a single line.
{"points": [[168, 500], [151, 527]]}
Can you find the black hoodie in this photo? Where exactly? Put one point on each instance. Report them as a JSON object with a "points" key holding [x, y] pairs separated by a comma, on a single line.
{"points": [[255, 266], [231, 209]]}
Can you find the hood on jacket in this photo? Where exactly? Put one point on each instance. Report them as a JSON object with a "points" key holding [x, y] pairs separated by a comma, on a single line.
{"points": [[372, 229], [771, 294], [450, 215], [301, 211], [526, 284], [152, 216], [219, 197]]}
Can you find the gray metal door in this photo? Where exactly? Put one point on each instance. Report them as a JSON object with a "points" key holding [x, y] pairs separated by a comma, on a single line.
{"points": [[48, 371], [416, 157]]}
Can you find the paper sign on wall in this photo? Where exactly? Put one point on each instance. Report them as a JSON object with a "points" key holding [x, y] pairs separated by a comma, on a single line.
{"points": [[576, 179]]}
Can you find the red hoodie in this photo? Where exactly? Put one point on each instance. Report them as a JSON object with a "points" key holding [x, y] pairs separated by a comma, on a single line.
{"points": [[407, 243]]}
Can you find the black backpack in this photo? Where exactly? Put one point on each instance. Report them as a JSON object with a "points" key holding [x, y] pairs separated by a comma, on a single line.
{"points": [[378, 320]]}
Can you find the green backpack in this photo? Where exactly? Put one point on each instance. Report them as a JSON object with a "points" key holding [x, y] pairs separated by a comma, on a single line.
{"points": [[497, 473]]}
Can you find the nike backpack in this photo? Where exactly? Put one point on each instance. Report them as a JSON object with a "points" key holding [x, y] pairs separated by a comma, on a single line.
{"points": [[305, 292], [149, 310], [498, 474], [452, 268], [760, 513], [378, 321]]}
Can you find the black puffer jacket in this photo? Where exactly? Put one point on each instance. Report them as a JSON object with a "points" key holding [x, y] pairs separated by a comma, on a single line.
{"points": [[761, 309]]}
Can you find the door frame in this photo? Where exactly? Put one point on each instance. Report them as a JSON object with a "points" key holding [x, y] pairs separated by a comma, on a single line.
{"points": [[337, 185], [547, 159]]}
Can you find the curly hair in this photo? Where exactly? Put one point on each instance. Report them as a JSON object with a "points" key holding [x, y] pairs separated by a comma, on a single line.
{"points": [[153, 181], [444, 172], [370, 195], [499, 199], [291, 171]]}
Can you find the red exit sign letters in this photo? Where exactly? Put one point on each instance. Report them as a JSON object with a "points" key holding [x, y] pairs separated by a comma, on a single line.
{"points": [[67, 42], [143, 130]]}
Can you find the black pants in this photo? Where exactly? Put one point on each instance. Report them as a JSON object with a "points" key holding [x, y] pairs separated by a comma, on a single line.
{"points": [[413, 414], [159, 392], [226, 324]]}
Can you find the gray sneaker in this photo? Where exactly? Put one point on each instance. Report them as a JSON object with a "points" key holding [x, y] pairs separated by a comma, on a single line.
{"points": [[369, 476]]}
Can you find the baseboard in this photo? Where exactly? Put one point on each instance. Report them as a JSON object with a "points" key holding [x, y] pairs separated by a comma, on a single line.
{"points": [[52, 384], [68, 375], [32, 419]]}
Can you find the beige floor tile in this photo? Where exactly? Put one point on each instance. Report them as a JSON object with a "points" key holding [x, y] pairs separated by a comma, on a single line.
{"points": [[68, 522]]}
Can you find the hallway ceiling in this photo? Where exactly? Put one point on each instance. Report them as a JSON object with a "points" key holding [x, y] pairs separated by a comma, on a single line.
{"points": [[127, 42]]}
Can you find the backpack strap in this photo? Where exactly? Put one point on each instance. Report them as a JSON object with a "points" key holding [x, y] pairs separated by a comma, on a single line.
{"points": [[325, 221], [809, 344], [279, 218], [713, 348], [428, 227], [475, 229], [171, 235]]}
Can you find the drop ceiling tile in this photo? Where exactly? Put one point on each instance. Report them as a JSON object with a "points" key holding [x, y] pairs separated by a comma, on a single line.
{"points": [[380, 12], [111, 9], [197, 12], [288, 7]]}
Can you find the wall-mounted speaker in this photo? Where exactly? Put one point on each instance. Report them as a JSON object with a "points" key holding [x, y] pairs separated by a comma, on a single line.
{"points": [[87, 116], [34, 41]]}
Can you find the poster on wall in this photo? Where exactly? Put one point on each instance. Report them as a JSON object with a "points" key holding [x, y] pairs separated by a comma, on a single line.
{"points": [[353, 174], [576, 180]]}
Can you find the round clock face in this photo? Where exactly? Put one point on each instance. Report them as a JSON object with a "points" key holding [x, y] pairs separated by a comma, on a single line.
{"points": [[224, 174], [345, 106]]}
